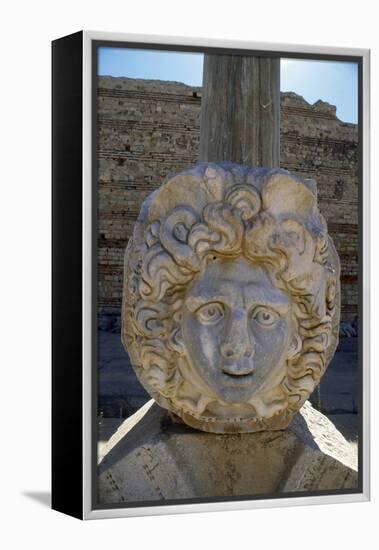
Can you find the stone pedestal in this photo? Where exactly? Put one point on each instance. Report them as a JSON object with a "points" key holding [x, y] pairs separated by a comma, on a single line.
{"points": [[154, 457]]}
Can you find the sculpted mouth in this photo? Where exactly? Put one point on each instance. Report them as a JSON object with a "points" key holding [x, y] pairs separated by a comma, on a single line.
{"points": [[238, 376], [238, 370]]}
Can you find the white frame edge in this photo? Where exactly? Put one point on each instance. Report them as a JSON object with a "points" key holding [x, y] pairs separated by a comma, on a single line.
{"points": [[87, 276], [366, 283], [88, 512]]}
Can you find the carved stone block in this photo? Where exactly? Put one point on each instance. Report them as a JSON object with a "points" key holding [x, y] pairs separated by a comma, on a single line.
{"points": [[153, 458]]}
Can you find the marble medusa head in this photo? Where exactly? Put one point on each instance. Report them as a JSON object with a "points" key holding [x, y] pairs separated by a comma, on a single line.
{"points": [[231, 296]]}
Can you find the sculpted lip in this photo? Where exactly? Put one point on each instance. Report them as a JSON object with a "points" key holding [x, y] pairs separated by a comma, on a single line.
{"points": [[238, 377]]}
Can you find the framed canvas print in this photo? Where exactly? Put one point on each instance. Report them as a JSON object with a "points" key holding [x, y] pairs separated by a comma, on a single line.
{"points": [[210, 275]]}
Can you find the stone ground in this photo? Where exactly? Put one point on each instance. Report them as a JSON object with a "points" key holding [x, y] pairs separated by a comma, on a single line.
{"points": [[121, 394], [338, 390]]}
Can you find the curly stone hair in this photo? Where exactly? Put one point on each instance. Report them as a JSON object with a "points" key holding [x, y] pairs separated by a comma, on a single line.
{"points": [[226, 210]]}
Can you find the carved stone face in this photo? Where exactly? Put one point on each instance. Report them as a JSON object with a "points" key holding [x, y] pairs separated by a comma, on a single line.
{"points": [[231, 296], [236, 329]]}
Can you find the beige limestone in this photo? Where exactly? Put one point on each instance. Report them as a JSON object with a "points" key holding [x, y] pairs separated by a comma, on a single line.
{"points": [[231, 297], [153, 457]]}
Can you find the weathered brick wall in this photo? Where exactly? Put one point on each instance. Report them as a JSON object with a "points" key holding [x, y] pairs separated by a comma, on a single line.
{"points": [[148, 129], [315, 144]]}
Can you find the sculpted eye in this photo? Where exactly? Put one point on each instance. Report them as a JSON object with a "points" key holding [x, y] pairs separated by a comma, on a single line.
{"points": [[265, 316], [210, 313]]}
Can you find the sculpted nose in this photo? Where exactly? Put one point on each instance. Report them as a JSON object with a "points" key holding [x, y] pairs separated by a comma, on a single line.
{"points": [[237, 342], [230, 351]]}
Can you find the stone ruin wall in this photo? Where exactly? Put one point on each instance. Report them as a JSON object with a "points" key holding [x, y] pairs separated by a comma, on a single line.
{"points": [[149, 129]]}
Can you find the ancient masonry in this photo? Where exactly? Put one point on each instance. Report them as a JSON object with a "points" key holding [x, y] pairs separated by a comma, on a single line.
{"points": [[150, 128]]}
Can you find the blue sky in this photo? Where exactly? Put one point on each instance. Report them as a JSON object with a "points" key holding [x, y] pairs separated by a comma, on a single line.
{"points": [[331, 81], [152, 64]]}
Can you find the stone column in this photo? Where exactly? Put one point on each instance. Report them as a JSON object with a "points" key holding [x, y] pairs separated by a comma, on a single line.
{"points": [[240, 117]]}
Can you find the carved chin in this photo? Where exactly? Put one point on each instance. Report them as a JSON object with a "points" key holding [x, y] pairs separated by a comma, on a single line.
{"points": [[219, 415], [235, 394], [236, 400]]}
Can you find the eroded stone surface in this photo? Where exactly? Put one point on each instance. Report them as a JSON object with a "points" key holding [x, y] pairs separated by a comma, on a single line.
{"points": [[152, 457], [231, 297]]}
